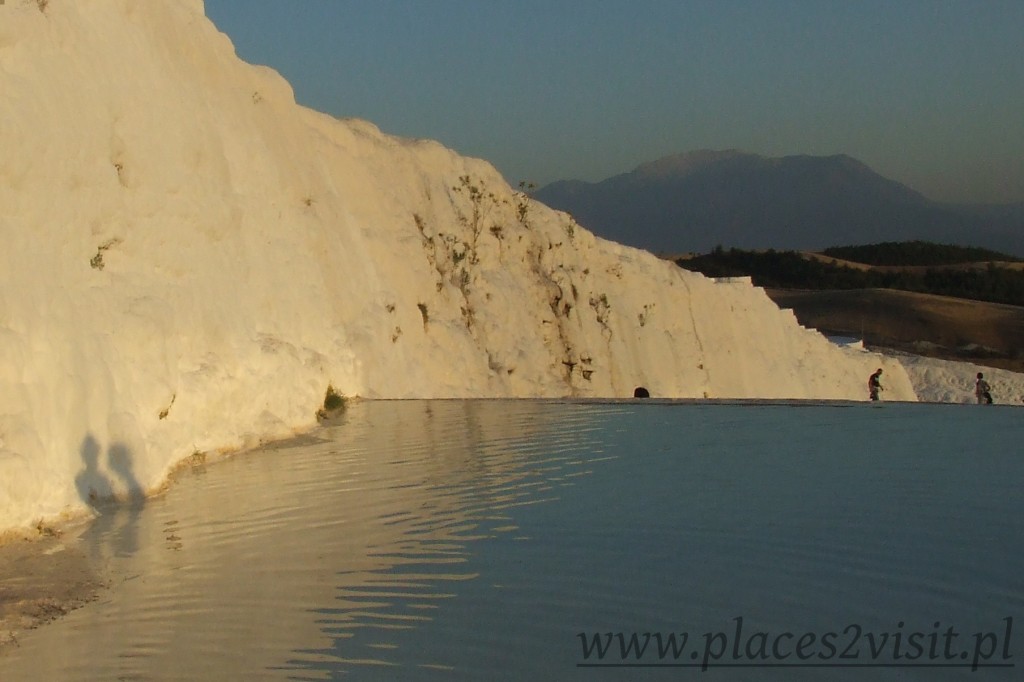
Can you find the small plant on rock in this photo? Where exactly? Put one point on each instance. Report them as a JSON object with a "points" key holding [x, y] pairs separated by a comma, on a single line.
{"points": [[333, 402], [96, 262]]}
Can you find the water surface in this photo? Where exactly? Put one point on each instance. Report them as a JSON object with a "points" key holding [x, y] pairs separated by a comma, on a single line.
{"points": [[464, 540]]}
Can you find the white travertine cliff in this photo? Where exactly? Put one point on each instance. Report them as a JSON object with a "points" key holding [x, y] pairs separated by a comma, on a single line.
{"points": [[190, 259]]}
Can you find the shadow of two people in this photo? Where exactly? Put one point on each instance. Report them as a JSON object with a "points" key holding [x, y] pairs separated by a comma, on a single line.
{"points": [[117, 501]]}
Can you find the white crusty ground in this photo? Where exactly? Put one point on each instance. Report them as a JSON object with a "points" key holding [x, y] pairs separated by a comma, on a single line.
{"points": [[944, 381], [190, 259]]}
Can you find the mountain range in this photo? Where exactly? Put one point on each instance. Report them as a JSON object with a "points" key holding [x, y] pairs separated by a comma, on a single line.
{"points": [[698, 200]]}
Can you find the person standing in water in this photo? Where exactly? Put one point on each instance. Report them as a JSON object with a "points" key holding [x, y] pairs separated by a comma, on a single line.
{"points": [[875, 384], [982, 391]]}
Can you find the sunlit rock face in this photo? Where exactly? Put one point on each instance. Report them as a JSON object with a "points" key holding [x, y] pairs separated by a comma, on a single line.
{"points": [[190, 259]]}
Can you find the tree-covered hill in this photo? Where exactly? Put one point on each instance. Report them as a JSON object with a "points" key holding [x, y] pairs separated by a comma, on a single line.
{"points": [[915, 253], [919, 267]]}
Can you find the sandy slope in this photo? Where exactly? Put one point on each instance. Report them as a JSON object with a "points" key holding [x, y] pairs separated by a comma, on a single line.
{"points": [[925, 324]]}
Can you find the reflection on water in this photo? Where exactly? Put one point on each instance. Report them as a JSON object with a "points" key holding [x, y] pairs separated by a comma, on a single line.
{"points": [[475, 540], [298, 557]]}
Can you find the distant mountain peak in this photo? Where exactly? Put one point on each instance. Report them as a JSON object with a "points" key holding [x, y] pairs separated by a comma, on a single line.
{"points": [[687, 162], [695, 200]]}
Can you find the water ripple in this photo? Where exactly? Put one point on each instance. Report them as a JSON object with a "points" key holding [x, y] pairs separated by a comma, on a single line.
{"points": [[448, 539]]}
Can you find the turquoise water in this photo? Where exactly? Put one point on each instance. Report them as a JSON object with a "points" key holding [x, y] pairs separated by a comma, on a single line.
{"points": [[465, 540]]}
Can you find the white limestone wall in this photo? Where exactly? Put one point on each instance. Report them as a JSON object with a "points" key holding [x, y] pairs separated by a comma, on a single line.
{"points": [[190, 259]]}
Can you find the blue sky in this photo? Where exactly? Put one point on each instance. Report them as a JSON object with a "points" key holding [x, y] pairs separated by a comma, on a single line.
{"points": [[927, 92]]}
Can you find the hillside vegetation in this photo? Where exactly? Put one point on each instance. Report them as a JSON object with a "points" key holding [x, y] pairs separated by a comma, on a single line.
{"points": [[921, 267], [916, 253]]}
